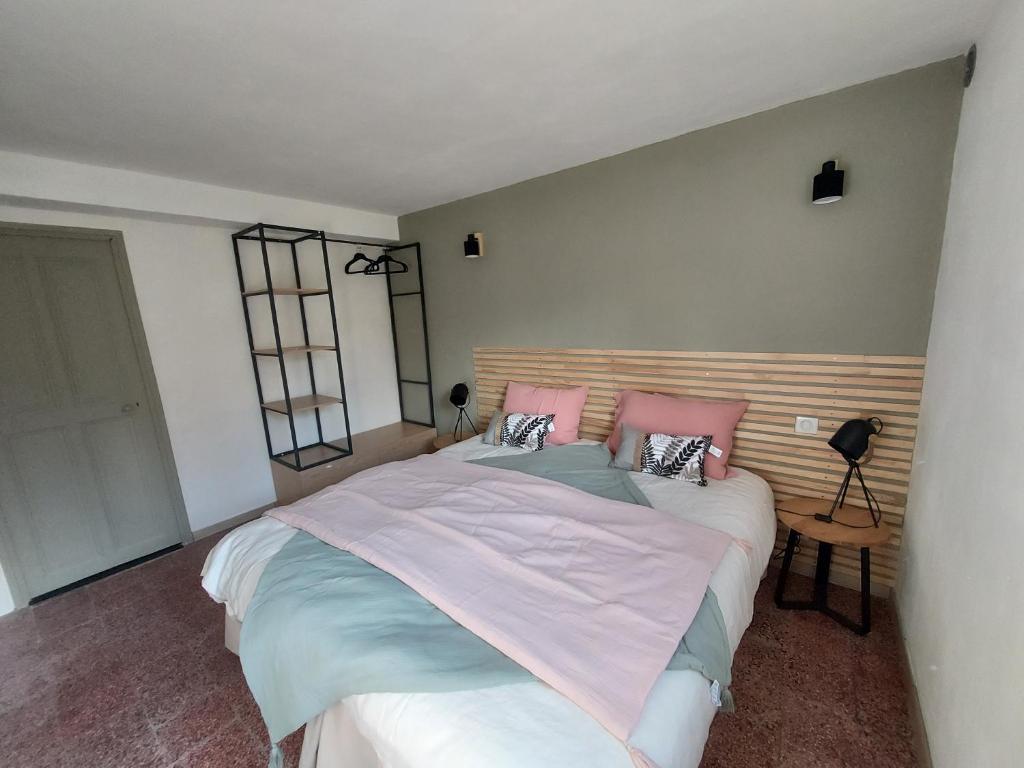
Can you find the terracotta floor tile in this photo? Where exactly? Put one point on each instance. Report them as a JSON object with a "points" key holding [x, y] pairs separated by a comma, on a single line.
{"points": [[229, 748]]}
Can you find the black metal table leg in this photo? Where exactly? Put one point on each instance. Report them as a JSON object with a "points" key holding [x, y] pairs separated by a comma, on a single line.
{"points": [[865, 591], [821, 574], [787, 561]]}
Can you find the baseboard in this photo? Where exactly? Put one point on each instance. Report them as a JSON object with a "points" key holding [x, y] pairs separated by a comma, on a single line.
{"points": [[917, 726], [232, 522]]}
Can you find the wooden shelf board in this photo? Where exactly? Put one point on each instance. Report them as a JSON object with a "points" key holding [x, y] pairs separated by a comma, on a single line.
{"points": [[302, 403], [390, 433], [443, 441], [271, 351], [288, 292]]}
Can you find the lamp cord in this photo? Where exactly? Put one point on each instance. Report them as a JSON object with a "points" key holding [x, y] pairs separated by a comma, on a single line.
{"points": [[874, 516], [779, 552]]}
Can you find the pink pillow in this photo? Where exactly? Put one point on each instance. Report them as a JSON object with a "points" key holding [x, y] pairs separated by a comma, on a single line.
{"points": [[681, 416], [566, 404]]}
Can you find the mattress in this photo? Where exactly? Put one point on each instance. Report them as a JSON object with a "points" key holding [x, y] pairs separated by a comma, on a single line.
{"points": [[527, 723]]}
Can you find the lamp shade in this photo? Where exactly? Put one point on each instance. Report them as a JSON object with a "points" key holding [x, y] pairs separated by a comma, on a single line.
{"points": [[828, 185], [473, 247], [459, 396], [851, 440]]}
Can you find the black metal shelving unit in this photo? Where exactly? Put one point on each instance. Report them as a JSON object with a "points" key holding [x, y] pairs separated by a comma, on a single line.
{"points": [[321, 451], [392, 295], [391, 252]]}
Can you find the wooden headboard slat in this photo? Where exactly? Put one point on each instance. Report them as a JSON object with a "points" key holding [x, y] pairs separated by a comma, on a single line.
{"points": [[897, 402], [870, 377], [779, 386], [795, 357]]}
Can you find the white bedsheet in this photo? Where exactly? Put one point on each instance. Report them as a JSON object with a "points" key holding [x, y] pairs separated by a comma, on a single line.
{"points": [[528, 724]]}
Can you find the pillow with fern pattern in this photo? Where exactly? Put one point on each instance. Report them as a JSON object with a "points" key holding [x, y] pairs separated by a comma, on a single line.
{"points": [[673, 456], [520, 430]]}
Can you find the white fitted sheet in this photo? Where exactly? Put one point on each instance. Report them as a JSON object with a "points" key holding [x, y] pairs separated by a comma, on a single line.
{"points": [[527, 724]]}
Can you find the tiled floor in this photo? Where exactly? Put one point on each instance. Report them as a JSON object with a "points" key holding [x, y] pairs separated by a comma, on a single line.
{"points": [[132, 671]]}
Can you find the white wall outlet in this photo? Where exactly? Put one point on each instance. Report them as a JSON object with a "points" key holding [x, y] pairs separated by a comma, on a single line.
{"points": [[806, 425]]}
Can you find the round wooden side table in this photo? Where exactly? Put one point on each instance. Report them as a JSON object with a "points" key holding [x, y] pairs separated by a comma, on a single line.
{"points": [[798, 515]]}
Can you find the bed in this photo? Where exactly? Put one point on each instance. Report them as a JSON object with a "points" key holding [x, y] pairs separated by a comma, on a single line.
{"points": [[525, 723]]}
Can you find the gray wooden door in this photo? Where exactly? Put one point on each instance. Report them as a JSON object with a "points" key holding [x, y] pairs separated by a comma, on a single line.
{"points": [[83, 484]]}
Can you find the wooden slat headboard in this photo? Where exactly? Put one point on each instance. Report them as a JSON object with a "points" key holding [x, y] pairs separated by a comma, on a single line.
{"points": [[832, 388]]}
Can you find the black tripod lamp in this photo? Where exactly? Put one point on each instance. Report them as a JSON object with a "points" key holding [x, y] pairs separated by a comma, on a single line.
{"points": [[852, 441], [459, 397]]}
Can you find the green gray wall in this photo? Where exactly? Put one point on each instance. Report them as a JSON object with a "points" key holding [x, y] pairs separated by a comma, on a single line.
{"points": [[709, 241]]}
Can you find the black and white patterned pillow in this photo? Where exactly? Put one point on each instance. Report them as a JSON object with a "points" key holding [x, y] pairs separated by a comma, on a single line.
{"points": [[672, 456], [675, 456], [520, 430]]}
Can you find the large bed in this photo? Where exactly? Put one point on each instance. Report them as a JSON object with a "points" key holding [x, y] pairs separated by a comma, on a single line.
{"points": [[526, 723]]}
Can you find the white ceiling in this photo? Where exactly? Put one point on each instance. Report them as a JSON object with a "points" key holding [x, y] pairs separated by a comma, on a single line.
{"points": [[396, 106]]}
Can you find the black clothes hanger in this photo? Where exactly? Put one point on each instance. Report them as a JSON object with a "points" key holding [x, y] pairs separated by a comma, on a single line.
{"points": [[359, 257], [391, 265]]}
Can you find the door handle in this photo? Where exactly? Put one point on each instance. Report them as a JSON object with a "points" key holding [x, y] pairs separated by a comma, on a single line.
{"points": [[129, 407]]}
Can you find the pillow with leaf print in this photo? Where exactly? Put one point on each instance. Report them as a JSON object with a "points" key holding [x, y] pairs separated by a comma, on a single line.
{"points": [[673, 456], [519, 430]]}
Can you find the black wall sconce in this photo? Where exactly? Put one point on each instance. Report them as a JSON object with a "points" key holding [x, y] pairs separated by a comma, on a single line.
{"points": [[474, 245], [828, 185]]}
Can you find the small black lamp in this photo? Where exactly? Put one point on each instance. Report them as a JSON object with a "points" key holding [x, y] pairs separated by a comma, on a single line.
{"points": [[828, 185], [459, 397], [473, 248], [852, 440]]}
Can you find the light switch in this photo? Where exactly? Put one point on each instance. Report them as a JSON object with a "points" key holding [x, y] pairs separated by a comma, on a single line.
{"points": [[806, 425]]}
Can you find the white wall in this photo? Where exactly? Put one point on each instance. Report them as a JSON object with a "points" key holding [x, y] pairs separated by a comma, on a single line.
{"points": [[59, 182], [6, 598], [185, 279], [961, 589]]}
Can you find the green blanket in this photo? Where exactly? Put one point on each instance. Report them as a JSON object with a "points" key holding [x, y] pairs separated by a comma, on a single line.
{"points": [[585, 467], [324, 624]]}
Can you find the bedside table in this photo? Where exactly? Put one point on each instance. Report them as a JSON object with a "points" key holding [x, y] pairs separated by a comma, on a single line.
{"points": [[443, 441], [798, 516]]}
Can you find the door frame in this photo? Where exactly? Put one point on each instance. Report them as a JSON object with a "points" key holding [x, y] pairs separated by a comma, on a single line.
{"points": [[9, 558]]}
